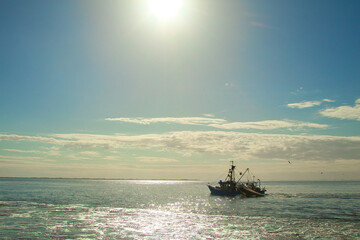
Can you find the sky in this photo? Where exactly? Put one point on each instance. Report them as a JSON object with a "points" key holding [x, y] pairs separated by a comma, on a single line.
{"points": [[141, 90]]}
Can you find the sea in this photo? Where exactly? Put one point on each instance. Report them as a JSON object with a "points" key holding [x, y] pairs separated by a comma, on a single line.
{"points": [[152, 209]]}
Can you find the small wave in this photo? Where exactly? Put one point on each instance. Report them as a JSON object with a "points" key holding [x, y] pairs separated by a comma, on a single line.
{"points": [[45, 205], [22, 203], [21, 215], [318, 195], [12, 203]]}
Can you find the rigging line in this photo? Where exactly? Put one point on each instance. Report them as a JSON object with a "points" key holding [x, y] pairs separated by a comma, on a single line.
{"points": [[248, 176], [243, 174], [240, 173]]}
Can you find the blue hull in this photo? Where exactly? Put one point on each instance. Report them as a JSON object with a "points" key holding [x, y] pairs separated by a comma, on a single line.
{"points": [[220, 192]]}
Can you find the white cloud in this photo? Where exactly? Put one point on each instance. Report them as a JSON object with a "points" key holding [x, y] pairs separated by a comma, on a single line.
{"points": [[14, 137], [89, 153], [156, 160], [245, 146], [343, 112], [50, 152], [183, 120], [76, 157], [242, 145], [111, 158], [19, 158], [305, 104], [328, 100], [268, 124], [109, 141], [223, 124], [22, 151], [23, 160], [308, 104]]}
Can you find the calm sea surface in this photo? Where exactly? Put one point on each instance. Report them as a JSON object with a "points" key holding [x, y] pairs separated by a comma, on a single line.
{"points": [[119, 209]]}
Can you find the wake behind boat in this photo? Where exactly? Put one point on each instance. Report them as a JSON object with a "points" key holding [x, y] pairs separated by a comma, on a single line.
{"points": [[232, 187]]}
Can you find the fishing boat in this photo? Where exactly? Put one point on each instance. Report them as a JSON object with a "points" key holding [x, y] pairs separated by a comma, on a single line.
{"points": [[233, 187], [229, 187], [251, 188]]}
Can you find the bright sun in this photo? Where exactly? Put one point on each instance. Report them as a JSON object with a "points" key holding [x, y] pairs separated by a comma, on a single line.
{"points": [[165, 9]]}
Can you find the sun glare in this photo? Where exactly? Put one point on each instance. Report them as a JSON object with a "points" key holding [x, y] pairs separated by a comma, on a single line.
{"points": [[165, 9]]}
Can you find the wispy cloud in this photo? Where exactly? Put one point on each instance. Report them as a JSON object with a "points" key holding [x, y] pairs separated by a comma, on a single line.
{"points": [[21, 151], [89, 153], [50, 152], [344, 112], [22, 160], [156, 160], [308, 104], [328, 100], [305, 104], [14, 137], [241, 145], [223, 124], [111, 158], [183, 120], [268, 124]]}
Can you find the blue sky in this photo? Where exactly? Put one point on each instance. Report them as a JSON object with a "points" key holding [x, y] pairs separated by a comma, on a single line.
{"points": [[106, 89]]}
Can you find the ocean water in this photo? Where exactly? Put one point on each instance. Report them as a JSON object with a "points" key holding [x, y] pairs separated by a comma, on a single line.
{"points": [[120, 209]]}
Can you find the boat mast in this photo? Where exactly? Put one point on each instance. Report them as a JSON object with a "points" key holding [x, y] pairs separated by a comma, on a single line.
{"points": [[231, 172]]}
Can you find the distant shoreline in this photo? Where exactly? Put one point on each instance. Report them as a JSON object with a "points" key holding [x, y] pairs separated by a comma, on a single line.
{"points": [[127, 179], [155, 179]]}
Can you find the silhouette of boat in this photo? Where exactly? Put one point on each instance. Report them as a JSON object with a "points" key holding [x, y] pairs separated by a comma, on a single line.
{"points": [[232, 187]]}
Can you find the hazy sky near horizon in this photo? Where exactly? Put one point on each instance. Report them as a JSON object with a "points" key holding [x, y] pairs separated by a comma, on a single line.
{"points": [[111, 89]]}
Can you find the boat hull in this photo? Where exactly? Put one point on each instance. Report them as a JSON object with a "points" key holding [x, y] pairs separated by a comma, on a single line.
{"points": [[223, 192], [250, 192]]}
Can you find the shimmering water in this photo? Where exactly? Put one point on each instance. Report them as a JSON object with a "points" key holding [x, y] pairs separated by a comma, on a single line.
{"points": [[116, 209]]}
